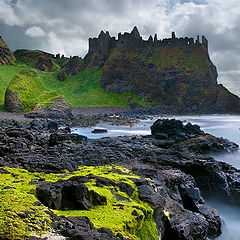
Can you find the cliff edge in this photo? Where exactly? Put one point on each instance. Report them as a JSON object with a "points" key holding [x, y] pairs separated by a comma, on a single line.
{"points": [[174, 73]]}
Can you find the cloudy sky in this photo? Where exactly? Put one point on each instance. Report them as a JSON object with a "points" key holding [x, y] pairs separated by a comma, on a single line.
{"points": [[65, 25]]}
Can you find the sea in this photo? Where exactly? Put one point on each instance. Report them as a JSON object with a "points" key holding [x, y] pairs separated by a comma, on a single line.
{"points": [[225, 126]]}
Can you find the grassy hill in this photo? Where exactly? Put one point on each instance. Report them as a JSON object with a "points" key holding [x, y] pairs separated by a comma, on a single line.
{"points": [[81, 90]]}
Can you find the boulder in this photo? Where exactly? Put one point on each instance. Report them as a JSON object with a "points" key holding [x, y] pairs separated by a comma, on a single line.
{"points": [[99, 130], [69, 194], [172, 129], [12, 102], [58, 109]]}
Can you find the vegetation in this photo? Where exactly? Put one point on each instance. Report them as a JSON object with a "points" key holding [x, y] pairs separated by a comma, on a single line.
{"points": [[6, 74], [31, 89], [84, 90], [191, 59], [18, 197]]}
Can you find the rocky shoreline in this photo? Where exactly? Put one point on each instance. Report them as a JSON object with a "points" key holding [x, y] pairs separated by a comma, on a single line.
{"points": [[175, 178]]}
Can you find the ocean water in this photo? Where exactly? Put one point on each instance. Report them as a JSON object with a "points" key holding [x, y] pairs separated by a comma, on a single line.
{"points": [[226, 126]]}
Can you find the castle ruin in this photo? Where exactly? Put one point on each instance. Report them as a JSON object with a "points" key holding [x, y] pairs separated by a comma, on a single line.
{"points": [[105, 42]]}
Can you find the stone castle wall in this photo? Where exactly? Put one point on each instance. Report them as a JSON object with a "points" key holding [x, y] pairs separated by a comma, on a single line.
{"points": [[105, 42]]}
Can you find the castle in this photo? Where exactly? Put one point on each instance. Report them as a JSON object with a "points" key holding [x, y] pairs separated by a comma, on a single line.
{"points": [[105, 42]]}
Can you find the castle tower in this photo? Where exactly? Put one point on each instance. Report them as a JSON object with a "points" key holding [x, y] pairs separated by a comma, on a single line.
{"points": [[155, 38], [104, 42], [197, 41], [135, 33], [205, 42], [150, 39], [173, 35]]}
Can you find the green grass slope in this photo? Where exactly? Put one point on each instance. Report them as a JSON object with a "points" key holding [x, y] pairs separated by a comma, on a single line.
{"points": [[31, 89], [6, 74], [83, 90]]}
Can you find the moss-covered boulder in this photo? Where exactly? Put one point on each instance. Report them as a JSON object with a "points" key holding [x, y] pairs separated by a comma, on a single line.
{"points": [[26, 90], [6, 55]]}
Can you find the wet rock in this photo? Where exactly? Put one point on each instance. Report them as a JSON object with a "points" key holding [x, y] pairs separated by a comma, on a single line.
{"points": [[127, 188], [98, 130], [173, 129]]}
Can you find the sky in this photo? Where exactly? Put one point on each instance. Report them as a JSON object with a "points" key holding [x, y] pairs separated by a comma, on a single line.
{"points": [[64, 26]]}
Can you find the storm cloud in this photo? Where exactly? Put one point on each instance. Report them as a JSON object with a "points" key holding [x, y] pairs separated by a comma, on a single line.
{"points": [[63, 26]]}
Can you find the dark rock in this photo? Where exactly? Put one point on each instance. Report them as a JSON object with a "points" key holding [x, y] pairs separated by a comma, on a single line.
{"points": [[72, 67], [20, 133], [173, 129], [56, 138], [76, 228], [61, 76], [4, 171], [98, 130], [58, 109], [12, 102], [127, 188], [44, 63], [52, 126], [6, 55], [8, 187], [69, 194]]}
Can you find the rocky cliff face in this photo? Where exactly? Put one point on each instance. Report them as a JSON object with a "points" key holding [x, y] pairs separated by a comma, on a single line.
{"points": [[6, 55], [184, 83], [178, 77]]}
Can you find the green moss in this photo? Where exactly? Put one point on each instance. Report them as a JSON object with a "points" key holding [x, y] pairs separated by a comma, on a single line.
{"points": [[116, 215], [6, 74], [31, 89]]}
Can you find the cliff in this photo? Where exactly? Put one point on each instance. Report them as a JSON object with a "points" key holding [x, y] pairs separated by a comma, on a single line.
{"points": [[6, 55], [175, 73]]}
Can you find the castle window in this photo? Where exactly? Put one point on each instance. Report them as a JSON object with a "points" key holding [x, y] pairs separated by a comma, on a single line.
{"points": [[122, 42]]}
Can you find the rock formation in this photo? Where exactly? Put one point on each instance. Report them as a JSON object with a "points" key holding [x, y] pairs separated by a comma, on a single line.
{"points": [[175, 73], [171, 178], [6, 55], [72, 67], [37, 59]]}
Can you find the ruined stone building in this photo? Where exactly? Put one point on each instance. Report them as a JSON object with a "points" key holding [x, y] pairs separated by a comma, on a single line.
{"points": [[105, 42]]}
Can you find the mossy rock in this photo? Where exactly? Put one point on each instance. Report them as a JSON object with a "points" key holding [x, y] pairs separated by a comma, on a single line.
{"points": [[12, 101], [26, 90], [6, 55], [22, 215]]}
